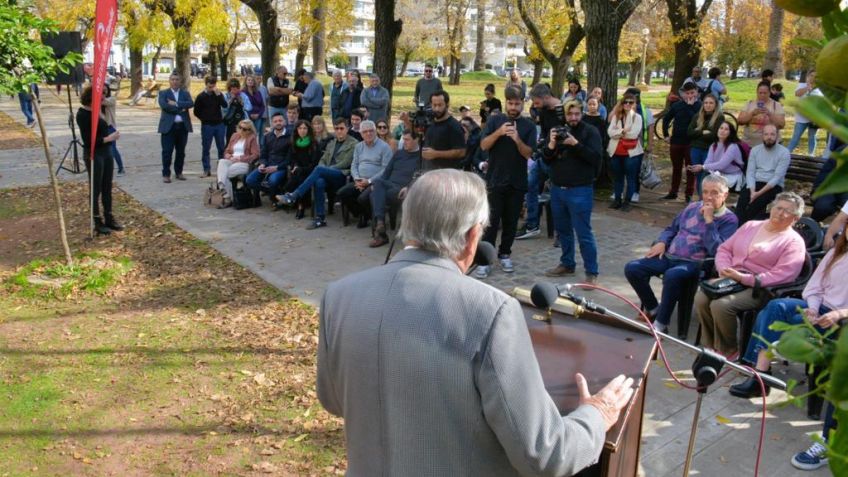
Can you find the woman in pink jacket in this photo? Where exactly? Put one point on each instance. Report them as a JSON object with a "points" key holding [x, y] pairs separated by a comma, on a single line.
{"points": [[761, 253]]}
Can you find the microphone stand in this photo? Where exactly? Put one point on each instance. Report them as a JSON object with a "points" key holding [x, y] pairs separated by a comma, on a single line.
{"points": [[706, 368]]}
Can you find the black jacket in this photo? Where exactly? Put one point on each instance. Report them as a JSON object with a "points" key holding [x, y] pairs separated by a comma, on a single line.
{"points": [[275, 151], [681, 114], [402, 167], [355, 102], [207, 108], [575, 166]]}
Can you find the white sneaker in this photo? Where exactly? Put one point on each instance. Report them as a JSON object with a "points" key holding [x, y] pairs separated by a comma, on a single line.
{"points": [[635, 197], [483, 271], [612, 196], [506, 264], [810, 459]]}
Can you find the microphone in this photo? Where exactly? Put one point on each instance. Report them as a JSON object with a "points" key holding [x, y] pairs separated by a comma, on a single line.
{"points": [[544, 295], [486, 254]]}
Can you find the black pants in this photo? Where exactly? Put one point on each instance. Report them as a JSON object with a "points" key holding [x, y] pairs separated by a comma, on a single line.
{"points": [[504, 208], [383, 194], [104, 168], [350, 196], [756, 210], [827, 205]]}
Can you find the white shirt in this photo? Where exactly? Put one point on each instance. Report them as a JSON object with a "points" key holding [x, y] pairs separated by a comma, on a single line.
{"points": [[815, 92], [178, 118], [238, 149]]}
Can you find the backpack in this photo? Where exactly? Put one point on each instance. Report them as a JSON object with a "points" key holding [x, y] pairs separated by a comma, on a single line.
{"points": [[235, 113], [745, 150], [704, 92]]}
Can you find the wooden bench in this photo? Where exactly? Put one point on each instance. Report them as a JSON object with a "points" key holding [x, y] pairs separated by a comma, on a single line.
{"points": [[804, 168]]}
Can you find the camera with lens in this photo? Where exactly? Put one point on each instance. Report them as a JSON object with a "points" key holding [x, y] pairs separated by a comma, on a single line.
{"points": [[422, 118], [562, 132]]}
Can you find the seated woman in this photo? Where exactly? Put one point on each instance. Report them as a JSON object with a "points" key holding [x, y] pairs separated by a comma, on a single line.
{"points": [[303, 156], [695, 234], [824, 303], [725, 158], [320, 134], [242, 149], [384, 134], [762, 253]]}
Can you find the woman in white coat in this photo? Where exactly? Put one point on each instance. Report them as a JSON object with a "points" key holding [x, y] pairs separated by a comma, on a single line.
{"points": [[625, 150]]}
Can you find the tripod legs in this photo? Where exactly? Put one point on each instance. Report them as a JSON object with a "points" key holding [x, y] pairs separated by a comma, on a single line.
{"points": [[693, 433]]}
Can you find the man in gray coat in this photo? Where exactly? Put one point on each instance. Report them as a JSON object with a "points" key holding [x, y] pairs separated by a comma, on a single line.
{"points": [[433, 371], [375, 99]]}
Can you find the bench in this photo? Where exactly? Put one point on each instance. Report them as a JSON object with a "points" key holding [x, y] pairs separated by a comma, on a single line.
{"points": [[804, 168]]}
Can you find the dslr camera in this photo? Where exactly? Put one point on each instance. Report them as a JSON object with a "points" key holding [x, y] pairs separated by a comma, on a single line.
{"points": [[562, 132]]}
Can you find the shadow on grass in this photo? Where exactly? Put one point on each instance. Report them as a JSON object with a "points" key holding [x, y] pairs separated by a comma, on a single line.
{"points": [[147, 351], [219, 428]]}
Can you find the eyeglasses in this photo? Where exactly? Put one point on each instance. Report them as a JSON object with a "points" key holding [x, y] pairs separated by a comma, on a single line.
{"points": [[363, 131], [428, 71], [783, 210], [339, 128], [630, 102], [382, 127], [242, 128]]}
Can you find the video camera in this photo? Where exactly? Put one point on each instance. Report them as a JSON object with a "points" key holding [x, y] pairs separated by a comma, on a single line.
{"points": [[422, 118]]}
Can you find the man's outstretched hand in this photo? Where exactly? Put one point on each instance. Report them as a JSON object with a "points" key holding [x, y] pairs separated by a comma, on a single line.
{"points": [[610, 400]]}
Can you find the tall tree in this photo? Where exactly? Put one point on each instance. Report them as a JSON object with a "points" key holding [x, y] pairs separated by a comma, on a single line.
{"points": [[545, 21], [143, 27], [269, 33], [686, 19], [480, 50], [319, 52], [387, 29], [603, 24], [455, 17], [774, 50], [417, 41]]}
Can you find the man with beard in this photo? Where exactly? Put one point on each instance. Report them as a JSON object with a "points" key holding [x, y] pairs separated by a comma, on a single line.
{"points": [[574, 158], [426, 86], [336, 87], [767, 165], [273, 158], [350, 97], [509, 140], [444, 141]]}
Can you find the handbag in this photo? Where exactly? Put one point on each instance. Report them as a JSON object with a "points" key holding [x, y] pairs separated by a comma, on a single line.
{"points": [[648, 174], [727, 286], [624, 145], [214, 197]]}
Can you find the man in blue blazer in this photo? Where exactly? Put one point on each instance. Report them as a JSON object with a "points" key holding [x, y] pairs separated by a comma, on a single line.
{"points": [[174, 126]]}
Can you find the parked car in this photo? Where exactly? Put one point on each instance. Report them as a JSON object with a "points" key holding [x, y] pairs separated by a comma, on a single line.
{"points": [[414, 72]]}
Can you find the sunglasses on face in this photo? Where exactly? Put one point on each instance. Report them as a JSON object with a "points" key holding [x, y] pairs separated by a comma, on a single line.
{"points": [[630, 102], [382, 127], [242, 128]]}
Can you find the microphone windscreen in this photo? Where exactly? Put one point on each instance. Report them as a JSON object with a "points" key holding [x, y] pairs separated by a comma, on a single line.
{"points": [[486, 254], [543, 295]]}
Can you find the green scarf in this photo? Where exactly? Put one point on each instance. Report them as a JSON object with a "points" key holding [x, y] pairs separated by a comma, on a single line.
{"points": [[303, 142]]}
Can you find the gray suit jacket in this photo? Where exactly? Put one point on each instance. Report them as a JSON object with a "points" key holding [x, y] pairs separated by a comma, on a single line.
{"points": [[435, 375]]}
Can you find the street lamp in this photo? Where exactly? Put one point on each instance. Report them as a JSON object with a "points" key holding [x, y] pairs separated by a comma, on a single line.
{"points": [[646, 32]]}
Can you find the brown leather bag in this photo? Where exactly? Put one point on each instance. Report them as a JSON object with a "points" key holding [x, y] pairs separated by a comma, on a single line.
{"points": [[214, 197]]}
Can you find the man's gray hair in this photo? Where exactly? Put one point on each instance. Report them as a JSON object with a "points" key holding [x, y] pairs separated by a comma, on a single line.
{"points": [[717, 179], [310, 74], [374, 75], [441, 207], [792, 197], [541, 90], [367, 124]]}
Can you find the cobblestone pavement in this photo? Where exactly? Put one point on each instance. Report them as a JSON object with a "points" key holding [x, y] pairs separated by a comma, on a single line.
{"points": [[301, 262]]}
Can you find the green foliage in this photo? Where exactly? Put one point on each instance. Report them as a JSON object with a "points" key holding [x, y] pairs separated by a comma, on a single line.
{"points": [[23, 58], [481, 76], [90, 274]]}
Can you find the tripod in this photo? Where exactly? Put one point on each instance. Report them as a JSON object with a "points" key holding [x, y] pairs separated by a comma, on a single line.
{"points": [[72, 146]]}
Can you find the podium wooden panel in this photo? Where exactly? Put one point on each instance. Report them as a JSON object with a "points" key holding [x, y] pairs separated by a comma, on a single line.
{"points": [[600, 348]]}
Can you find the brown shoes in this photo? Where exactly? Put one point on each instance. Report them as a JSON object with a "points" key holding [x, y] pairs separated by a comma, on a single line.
{"points": [[560, 271], [166, 179], [380, 236], [181, 177]]}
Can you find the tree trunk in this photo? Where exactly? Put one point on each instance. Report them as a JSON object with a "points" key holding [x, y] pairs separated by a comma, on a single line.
{"points": [[136, 60], [319, 51], [223, 58], [634, 72], [213, 61], [54, 181], [686, 18], [647, 78], [154, 61], [734, 74], [404, 63], [774, 50], [559, 75], [480, 53], [386, 33], [269, 34], [604, 21], [456, 65], [299, 58], [685, 59], [183, 63], [538, 66]]}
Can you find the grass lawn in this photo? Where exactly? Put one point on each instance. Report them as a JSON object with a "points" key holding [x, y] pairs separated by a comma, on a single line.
{"points": [[178, 363]]}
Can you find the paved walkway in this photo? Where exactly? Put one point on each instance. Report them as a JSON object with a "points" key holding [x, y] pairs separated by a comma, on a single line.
{"points": [[278, 248]]}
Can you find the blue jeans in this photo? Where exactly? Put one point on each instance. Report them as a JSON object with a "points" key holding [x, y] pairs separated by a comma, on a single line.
{"points": [[322, 178], [796, 137], [275, 180], [259, 124], [781, 309], [625, 168], [675, 273], [26, 107], [115, 153], [536, 176], [175, 139], [572, 211], [208, 132], [698, 157]]}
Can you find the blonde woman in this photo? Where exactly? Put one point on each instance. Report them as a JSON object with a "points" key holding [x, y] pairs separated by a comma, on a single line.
{"points": [[320, 134], [242, 149], [384, 134], [703, 132], [625, 149]]}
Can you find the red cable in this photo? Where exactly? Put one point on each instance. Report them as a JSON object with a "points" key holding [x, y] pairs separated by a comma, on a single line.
{"points": [[674, 377]]}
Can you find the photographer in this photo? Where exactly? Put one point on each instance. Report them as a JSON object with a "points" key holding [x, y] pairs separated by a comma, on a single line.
{"points": [[509, 140], [574, 155], [444, 141]]}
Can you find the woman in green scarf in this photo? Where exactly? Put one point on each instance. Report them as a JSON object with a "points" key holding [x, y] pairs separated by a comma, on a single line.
{"points": [[303, 156]]}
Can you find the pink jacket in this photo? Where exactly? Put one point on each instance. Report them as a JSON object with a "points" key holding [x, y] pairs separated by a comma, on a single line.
{"points": [[775, 262], [829, 290]]}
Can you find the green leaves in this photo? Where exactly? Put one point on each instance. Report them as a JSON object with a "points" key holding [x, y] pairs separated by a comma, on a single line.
{"points": [[801, 344]]}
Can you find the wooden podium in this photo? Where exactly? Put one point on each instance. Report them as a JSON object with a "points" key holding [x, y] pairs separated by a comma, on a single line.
{"points": [[600, 348]]}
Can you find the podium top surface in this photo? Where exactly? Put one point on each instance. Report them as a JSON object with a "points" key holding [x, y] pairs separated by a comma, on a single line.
{"points": [[597, 346]]}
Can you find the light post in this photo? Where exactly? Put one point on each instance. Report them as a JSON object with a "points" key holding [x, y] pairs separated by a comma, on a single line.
{"points": [[646, 31]]}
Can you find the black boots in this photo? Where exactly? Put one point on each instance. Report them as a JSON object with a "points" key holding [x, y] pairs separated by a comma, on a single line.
{"points": [[750, 388], [113, 224], [100, 227]]}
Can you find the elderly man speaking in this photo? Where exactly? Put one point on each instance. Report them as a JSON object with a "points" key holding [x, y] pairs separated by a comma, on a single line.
{"points": [[433, 371]]}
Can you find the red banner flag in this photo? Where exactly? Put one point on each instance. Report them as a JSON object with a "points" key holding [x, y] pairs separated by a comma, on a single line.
{"points": [[105, 19]]}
